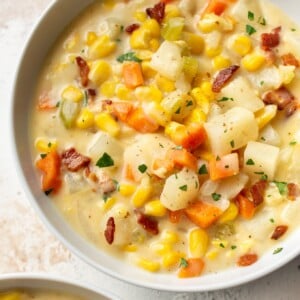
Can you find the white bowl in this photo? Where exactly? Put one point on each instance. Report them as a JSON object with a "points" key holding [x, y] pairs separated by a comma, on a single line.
{"points": [[49, 27], [51, 283]]}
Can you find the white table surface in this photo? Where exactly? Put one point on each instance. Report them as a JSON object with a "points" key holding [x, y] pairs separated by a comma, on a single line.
{"points": [[27, 246]]}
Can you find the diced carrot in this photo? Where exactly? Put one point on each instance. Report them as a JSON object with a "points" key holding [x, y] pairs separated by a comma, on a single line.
{"points": [[182, 158], [246, 207], [50, 166], [194, 268], [247, 260], [165, 163], [138, 120], [216, 6], [175, 216], [225, 166], [122, 110], [191, 138], [132, 74], [203, 214], [128, 173]]}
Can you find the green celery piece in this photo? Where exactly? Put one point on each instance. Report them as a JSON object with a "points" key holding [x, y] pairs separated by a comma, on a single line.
{"points": [[172, 30], [69, 111]]}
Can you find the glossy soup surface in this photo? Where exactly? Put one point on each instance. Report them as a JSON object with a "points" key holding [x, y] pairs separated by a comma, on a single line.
{"points": [[167, 133]]}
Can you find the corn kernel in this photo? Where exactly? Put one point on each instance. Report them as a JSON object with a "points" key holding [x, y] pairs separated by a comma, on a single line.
{"points": [[144, 54], [102, 47], [45, 145], [159, 114], [265, 115], [212, 51], [202, 101], [171, 11], [72, 93], [206, 87], [161, 248], [130, 248], [190, 67], [246, 245], [219, 243], [208, 24], [142, 193], [194, 42], [108, 89], [196, 116], [154, 44], [106, 122], [206, 155], [171, 259], [140, 39], [152, 26], [212, 255], [148, 72], [164, 84], [99, 72], [229, 214], [287, 74], [198, 242], [140, 16], [155, 208], [170, 237], [148, 93], [242, 45], [71, 42], [148, 265], [124, 93], [173, 129], [10, 296], [85, 119], [126, 189], [253, 62], [221, 62], [109, 203], [91, 38]]}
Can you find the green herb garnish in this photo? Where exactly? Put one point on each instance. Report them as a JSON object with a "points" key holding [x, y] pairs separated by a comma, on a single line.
{"points": [[272, 220], [250, 15], [130, 56], [203, 170], [105, 161], [278, 250], [85, 98], [142, 168], [262, 21], [183, 187], [282, 187], [216, 196], [222, 245], [250, 162], [224, 99], [183, 263], [43, 155], [250, 30], [189, 103], [293, 143], [232, 144], [233, 247], [57, 104]]}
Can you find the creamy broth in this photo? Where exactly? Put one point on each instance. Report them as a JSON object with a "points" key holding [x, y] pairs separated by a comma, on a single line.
{"points": [[142, 167]]}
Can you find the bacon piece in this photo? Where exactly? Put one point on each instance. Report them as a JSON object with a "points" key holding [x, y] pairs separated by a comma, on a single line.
{"points": [[131, 28], [247, 260], [293, 191], [223, 77], [290, 60], [83, 70], [73, 160], [257, 191], [291, 108], [270, 40], [281, 97], [279, 232], [109, 232], [149, 224], [157, 12], [107, 185], [92, 92]]}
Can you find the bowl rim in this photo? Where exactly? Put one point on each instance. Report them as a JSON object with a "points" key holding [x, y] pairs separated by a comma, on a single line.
{"points": [[249, 277]]}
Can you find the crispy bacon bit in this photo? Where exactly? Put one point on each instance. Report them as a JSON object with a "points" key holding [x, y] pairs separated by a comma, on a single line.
{"points": [[83, 70], [92, 92], [257, 191], [131, 28], [107, 185], [73, 160], [223, 77], [290, 60], [157, 12], [281, 97], [109, 232], [247, 260], [149, 224], [270, 40], [291, 108], [293, 191], [279, 232]]}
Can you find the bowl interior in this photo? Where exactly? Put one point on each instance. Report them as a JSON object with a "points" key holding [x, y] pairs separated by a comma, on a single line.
{"points": [[49, 28]]}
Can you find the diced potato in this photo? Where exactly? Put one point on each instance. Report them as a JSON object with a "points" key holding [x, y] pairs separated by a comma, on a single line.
{"points": [[260, 160], [240, 93], [180, 190], [270, 136], [240, 9], [167, 60], [231, 130], [111, 27]]}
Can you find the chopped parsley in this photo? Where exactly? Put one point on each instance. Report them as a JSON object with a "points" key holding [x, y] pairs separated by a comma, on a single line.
{"points": [[48, 192], [43, 155], [232, 144], [272, 220], [183, 263], [250, 16], [250, 162], [142, 168], [57, 104], [122, 28], [49, 145], [224, 99], [161, 145], [282, 187], [203, 170], [218, 158], [262, 83], [264, 177], [278, 250], [183, 187], [105, 198], [215, 196], [233, 247], [85, 98], [222, 245], [250, 30], [117, 184], [293, 143], [293, 29], [105, 161], [130, 56], [262, 21], [177, 112], [189, 103]]}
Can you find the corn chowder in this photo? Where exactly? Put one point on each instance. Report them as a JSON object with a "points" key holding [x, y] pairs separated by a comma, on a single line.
{"points": [[167, 132]]}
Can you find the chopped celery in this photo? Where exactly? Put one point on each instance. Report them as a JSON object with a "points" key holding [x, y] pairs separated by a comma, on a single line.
{"points": [[69, 111], [172, 30], [190, 67]]}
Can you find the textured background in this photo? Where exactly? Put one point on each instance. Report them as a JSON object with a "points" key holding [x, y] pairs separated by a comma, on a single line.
{"points": [[26, 245]]}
